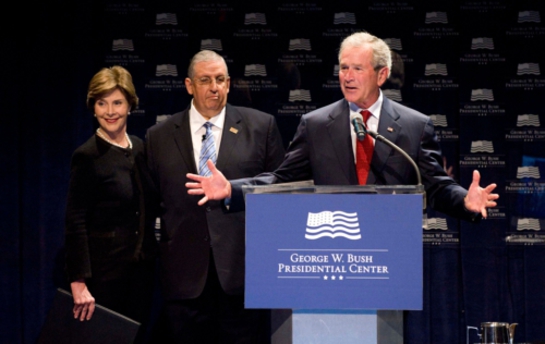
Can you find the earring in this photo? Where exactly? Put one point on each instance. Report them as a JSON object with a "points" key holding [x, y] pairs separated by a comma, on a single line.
{"points": [[95, 115], [128, 113]]}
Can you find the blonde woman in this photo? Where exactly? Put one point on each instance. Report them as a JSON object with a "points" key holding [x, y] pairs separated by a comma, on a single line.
{"points": [[110, 243]]}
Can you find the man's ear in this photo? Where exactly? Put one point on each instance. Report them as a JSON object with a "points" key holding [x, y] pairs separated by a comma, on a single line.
{"points": [[189, 86], [382, 76]]}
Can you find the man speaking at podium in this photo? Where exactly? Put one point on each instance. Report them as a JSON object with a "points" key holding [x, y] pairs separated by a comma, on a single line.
{"points": [[330, 145]]}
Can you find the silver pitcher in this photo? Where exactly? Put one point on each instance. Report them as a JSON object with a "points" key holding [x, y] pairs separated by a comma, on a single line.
{"points": [[495, 333]]}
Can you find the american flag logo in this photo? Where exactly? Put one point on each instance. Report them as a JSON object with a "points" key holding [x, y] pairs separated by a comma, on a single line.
{"points": [[436, 17], [482, 146], [255, 18], [300, 95], [435, 69], [528, 172], [122, 44], [393, 94], [528, 120], [166, 19], [529, 17], [344, 18], [528, 224], [436, 223], [528, 68], [439, 120], [255, 70], [482, 43], [394, 43], [482, 94], [166, 70], [333, 224], [300, 44], [211, 44]]}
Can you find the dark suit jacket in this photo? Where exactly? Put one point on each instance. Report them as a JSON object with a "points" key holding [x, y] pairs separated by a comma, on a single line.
{"points": [[322, 150], [110, 211], [250, 144]]}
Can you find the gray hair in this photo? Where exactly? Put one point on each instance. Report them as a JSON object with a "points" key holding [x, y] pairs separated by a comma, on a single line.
{"points": [[382, 56], [204, 56]]}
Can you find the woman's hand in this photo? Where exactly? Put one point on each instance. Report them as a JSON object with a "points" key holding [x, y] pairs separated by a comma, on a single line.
{"points": [[84, 302]]}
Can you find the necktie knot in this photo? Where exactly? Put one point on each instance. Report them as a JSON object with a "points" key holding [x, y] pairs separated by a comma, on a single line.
{"points": [[208, 127], [366, 114]]}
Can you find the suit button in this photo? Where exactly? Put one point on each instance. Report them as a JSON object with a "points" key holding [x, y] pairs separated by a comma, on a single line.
{"points": [[136, 232], [208, 209], [137, 213], [206, 238]]}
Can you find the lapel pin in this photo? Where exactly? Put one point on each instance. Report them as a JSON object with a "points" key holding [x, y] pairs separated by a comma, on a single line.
{"points": [[233, 130], [390, 129]]}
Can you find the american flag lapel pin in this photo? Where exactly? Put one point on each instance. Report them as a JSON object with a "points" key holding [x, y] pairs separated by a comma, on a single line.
{"points": [[390, 129], [233, 130]]}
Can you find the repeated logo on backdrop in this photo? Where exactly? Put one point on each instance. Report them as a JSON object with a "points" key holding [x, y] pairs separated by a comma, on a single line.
{"points": [[436, 78], [256, 79], [527, 129], [527, 26], [255, 28], [436, 26], [482, 51], [437, 232], [124, 53], [479, 84], [527, 77]]}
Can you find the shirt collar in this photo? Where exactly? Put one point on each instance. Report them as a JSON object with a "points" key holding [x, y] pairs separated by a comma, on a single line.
{"points": [[374, 109], [197, 120]]}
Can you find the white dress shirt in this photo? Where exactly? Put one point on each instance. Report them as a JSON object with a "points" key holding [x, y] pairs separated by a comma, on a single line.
{"points": [[196, 125]]}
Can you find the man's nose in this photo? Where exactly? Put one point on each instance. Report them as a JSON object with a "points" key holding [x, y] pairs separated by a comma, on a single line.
{"points": [[349, 74], [213, 85]]}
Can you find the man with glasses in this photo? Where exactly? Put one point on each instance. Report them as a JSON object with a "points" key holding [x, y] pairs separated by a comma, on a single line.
{"points": [[203, 248]]}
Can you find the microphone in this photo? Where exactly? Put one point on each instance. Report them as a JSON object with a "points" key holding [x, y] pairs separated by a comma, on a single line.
{"points": [[381, 138], [361, 131], [203, 137], [359, 127]]}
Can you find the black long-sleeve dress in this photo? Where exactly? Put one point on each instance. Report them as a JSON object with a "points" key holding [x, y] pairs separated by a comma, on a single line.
{"points": [[110, 217]]}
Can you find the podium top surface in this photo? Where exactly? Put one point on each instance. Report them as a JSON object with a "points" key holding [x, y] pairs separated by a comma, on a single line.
{"points": [[308, 186]]}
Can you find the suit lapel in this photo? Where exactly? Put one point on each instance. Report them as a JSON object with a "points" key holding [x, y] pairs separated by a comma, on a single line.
{"points": [[182, 137], [229, 136], [339, 134], [390, 129]]}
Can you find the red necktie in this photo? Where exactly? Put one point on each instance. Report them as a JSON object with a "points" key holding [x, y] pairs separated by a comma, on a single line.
{"points": [[364, 153]]}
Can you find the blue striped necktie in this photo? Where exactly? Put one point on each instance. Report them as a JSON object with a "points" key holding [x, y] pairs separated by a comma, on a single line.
{"points": [[208, 151]]}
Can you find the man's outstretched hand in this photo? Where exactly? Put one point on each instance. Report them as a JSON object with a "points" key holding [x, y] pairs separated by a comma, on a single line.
{"points": [[214, 187], [477, 198]]}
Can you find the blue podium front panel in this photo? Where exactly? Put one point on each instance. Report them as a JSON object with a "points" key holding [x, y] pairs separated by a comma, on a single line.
{"points": [[334, 251]]}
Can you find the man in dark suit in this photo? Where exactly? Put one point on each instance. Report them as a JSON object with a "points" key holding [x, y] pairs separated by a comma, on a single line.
{"points": [[325, 146], [203, 248]]}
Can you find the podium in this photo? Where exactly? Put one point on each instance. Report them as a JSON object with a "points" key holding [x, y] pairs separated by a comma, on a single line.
{"points": [[337, 264]]}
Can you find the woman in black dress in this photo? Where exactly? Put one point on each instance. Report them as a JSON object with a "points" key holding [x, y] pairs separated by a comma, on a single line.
{"points": [[110, 241]]}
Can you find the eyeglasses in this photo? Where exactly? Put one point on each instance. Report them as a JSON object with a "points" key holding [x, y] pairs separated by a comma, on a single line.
{"points": [[206, 81]]}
